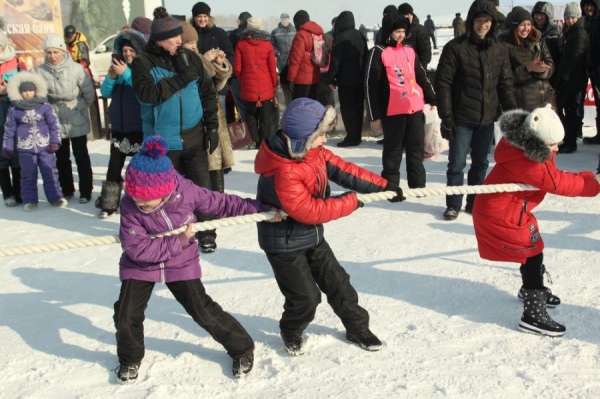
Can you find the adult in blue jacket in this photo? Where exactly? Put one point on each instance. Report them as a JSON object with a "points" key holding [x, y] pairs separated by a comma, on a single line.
{"points": [[125, 116]]}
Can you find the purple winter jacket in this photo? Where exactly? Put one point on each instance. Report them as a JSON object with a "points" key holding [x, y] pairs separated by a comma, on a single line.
{"points": [[31, 130], [164, 259]]}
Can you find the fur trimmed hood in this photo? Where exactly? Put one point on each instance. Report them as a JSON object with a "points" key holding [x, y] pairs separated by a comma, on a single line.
{"points": [[255, 34], [297, 143], [135, 37], [14, 94], [517, 133]]}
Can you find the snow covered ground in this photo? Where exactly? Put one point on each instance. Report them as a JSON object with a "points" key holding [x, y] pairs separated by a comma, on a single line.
{"points": [[447, 318]]}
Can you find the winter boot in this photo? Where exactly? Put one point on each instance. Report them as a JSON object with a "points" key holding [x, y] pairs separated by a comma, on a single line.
{"points": [[243, 366], [535, 319], [30, 207], [110, 197], [217, 180], [6, 185], [61, 203], [16, 184], [451, 213], [207, 244], [538, 282], [365, 339], [128, 374], [293, 344], [552, 301]]}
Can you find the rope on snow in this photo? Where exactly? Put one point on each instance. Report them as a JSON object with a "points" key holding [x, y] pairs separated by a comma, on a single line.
{"points": [[259, 217]]}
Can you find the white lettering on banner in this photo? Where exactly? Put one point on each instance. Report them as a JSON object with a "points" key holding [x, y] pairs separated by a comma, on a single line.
{"points": [[43, 28], [18, 29]]}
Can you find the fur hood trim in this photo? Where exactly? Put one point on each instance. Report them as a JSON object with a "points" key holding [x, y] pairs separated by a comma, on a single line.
{"points": [[135, 37], [255, 34], [522, 137], [41, 87], [327, 124]]}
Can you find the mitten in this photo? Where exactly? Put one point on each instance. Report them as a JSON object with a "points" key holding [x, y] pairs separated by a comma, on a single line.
{"points": [[53, 147], [189, 74], [211, 140], [399, 194], [446, 132], [8, 154]]}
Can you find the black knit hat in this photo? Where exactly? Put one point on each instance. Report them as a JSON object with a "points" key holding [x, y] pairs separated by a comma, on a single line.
{"points": [[390, 9], [515, 17], [200, 8], [26, 86], [405, 8], [300, 18], [393, 21], [69, 30], [164, 26]]}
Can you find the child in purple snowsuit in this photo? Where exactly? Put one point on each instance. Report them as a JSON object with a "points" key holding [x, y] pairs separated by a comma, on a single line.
{"points": [[158, 199], [32, 128]]}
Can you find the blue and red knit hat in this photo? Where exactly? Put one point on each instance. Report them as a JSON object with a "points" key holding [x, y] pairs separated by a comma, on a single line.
{"points": [[164, 26], [150, 174]]}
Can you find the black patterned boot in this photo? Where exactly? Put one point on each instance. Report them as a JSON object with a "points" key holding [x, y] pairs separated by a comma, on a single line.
{"points": [[535, 319]]}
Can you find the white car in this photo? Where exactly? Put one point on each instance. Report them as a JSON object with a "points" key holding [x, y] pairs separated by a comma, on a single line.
{"points": [[100, 59]]}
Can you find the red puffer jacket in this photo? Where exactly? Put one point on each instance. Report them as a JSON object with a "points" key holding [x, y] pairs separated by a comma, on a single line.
{"points": [[505, 228], [255, 65], [301, 69]]}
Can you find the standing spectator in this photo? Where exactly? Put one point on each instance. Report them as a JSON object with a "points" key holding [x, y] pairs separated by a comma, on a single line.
{"points": [[10, 64], [211, 39], [346, 73], [397, 89], [125, 117], [179, 103], [543, 17], [571, 76], [70, 92], [235, 85], [591, 12], [430, 26], [78, 47], [219, 70], [473, 78], [303, 74], [417, 37], [256, 68], [324, 92], [281, 39], [530, 61], [387, 10], [457, 25], [500, 18]]}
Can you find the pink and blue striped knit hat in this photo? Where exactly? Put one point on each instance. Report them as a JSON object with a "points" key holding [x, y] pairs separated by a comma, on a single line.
{"points": [[150, 174]]}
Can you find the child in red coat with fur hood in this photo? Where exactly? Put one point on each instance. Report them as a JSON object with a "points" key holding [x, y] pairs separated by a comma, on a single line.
{"points": [[505, 228]]}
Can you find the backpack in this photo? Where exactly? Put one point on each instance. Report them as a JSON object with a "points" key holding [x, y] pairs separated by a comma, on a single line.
{"points": [[320, 53]]}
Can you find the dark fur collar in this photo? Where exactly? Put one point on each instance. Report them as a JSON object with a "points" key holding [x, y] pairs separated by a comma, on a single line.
{"points": [[520, 136]]}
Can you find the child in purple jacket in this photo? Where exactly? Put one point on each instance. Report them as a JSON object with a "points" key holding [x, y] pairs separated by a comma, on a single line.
{"points": [[32, 125], [158, 199]]}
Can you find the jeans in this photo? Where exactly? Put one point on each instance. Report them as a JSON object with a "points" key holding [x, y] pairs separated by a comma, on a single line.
{"points": [[478, 140]]}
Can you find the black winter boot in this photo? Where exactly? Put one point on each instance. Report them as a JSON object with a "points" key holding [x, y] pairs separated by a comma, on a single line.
{"points": [[128, 374], [109, 199], [6, 184], [16, 184], [217, 180], [535, 279], [242, 366], [365, 339], [535, 319], [293, 344]]}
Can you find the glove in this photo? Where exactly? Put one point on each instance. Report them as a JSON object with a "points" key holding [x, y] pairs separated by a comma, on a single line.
{"points": [[292, 84], [399, 194], [53, 147], [8, 154], [446, 132], [211, 140], [189, 74]]}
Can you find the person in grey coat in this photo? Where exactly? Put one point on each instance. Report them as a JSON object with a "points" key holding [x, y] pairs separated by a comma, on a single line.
{"points": [[281, 39], [70, 92], [457, 24]]}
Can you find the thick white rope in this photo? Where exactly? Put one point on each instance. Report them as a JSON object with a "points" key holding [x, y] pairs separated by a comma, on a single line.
{"points": [[259, 217]]}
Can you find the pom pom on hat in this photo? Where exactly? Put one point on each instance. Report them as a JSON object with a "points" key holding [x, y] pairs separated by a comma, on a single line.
{"points": [[150, 174], [545, 124], [164, 26]]}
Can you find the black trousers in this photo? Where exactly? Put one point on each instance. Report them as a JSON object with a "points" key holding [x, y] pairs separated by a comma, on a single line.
{"points": [[352, 107], [532, 272], [301, 276], [192, 163], [133, 300], [405, 132], [260, 119], [84, 167], [309, 91], [570, 111]]}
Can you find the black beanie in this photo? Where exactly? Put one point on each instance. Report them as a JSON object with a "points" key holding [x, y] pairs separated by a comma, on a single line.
{"points": [[515, 17], [300, 18], [69, 30], [200, 8], [393, 21], [390, 9], [164, 26], [405, 8]]}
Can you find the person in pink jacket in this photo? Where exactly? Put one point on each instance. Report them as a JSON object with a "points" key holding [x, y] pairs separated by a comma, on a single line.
{"points": [[505, 228], [256, 68], [397, 88]]}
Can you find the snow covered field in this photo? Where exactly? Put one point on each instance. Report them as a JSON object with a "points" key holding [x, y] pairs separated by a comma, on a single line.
{"points": [[448, 319]]}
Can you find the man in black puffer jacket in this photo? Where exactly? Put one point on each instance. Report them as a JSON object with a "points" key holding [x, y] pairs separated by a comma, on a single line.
{"points": [[473, 78], [347, 73], [591, 12], [418, 37]]}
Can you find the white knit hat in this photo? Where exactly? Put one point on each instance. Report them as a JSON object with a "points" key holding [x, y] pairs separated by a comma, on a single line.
{"points": [[54, 41], [255, 23], [545, 124], [572, 10]]}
